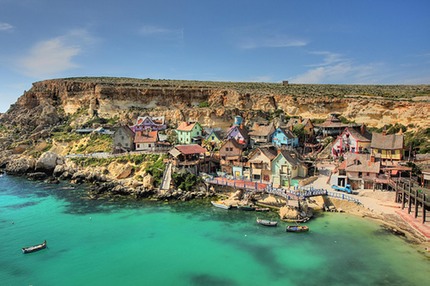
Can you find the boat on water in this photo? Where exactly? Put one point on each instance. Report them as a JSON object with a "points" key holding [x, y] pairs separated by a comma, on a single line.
{"points": [[266, 222], [262, 209], [246, 207], [34, 248], [297, 228], [221, 205]]}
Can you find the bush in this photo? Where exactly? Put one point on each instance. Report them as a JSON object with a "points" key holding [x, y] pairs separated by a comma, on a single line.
{"points": [[185, 181]]}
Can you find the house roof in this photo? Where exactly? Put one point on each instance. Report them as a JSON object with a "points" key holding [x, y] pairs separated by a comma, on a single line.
{"points": [[187, 126], [217, 133], [146, 137], [332, 121], [287, 133], [154, 120], [361, 163], [387, 142], [190, 149], [241, 130], [270, 153], [291, 156], [262, 130], [234, 143], [359, 133], [127, 129]]}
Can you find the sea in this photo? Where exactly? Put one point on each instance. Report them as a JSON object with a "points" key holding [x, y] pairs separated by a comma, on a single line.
{"points": [[128, 242]]}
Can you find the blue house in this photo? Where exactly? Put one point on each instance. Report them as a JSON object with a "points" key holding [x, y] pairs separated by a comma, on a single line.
{"points": [[284, 137]]}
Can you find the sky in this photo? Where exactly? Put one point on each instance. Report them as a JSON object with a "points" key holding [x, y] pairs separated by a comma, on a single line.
{"points": [[313, 41]]}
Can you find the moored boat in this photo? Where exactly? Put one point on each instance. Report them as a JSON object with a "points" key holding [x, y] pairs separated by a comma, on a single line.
{"points": [[221, 205], [34, 248], [297, 228], [262, 209], [246, 207], [266, 222]]}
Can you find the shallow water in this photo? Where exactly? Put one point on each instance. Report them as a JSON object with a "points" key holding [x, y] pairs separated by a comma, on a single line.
{"points": [[150, 243]]}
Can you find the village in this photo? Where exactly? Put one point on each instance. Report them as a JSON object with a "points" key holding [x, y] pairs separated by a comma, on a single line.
{"points": [[284, 157]]}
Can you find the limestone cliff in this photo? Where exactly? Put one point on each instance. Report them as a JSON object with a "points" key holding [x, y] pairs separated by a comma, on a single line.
{"points": [[49, 102]]}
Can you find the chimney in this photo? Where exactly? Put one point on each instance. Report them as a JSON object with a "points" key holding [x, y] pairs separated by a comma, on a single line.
{"points": [[362, 129], [384, 131], [372, 158]]}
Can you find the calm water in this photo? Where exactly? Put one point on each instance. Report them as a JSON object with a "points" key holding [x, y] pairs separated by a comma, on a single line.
{"points": [[148, 243]]}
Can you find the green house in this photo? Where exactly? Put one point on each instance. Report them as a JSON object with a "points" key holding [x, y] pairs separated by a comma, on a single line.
{"points": [[189, 133], [285, 166]]}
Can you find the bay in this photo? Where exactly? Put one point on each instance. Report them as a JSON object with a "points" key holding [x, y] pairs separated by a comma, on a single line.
{"points": [[102, 242]]}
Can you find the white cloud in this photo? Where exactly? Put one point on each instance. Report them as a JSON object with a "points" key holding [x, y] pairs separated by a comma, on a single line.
{"points": [[273, 41], [5, 27], [161, 32], [53, 56], [334, 68]]}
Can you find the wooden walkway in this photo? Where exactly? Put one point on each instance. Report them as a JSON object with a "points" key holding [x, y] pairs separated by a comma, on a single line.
{"points": [[300, 193], [412, 196]]}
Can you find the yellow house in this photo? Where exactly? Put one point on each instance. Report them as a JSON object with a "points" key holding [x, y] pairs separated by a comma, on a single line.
{"points": [[387, 147]]}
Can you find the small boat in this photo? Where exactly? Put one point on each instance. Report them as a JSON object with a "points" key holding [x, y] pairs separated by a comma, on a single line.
{"points": [[34, 248], [221, 205], [297, 228], [267, 222], [246, 208], [262, 209]]}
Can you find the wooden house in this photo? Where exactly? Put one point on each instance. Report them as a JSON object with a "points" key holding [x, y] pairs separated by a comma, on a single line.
{"points": [[261, 133], [260, 163], [307, 124], [387, 146], [285, 166], [332, 126], [230, 154], [360, 170], [123, 139], [283, 137], [238, 133], [189, 157], [151, 123], [353, 140], [146, 140], [189, 133]]}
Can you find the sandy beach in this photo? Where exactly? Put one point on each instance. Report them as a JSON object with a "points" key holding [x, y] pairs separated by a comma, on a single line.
{"points": [[381, 206]]}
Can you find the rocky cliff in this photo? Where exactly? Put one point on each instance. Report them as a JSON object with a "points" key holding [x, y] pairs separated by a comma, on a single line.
{"points": [[50, 102]]}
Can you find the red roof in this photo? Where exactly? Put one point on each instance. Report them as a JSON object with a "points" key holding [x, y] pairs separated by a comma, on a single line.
{"points": [[190, 149], [146, 137], [186, 126]]}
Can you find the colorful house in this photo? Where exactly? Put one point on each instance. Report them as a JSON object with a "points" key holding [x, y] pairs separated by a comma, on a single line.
{"points": [[230, 155], [332, 126], [146, 140], [123, 140], [261, 133], [308, 126], [284, 137], [360, 170], [387, 146], [285, 166], [190, 157], [151, 123], [214, 136], [353, 140], [238, 133], [188, 133], [260, 163]]}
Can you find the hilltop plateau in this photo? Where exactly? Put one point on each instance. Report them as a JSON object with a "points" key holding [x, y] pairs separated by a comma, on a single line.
{"points": [[69, 103]]}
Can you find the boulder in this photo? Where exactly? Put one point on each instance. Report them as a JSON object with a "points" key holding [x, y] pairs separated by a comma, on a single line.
{"points": [[20, 166], [48, 161], [148, 182]]}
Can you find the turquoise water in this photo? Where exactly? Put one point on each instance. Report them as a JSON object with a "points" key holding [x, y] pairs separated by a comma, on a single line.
{"points": [[150, 243]]}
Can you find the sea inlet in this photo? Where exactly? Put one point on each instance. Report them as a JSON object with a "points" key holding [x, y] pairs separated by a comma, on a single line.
{"points": [[103, 242]]}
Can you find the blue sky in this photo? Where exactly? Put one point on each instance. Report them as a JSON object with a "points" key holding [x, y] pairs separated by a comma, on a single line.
{"points": [[313, 41]]}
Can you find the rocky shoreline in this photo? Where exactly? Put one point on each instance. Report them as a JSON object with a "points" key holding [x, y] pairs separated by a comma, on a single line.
{"points": [[53, 168]]}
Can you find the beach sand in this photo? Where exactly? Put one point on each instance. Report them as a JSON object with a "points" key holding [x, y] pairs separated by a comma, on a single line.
{"points": [[381, 206]]}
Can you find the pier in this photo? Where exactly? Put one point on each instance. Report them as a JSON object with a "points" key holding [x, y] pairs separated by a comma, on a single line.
{"points": [[412, 196]]}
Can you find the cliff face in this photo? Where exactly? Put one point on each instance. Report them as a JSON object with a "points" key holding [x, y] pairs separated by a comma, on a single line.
{"points": [[48, 102]]}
